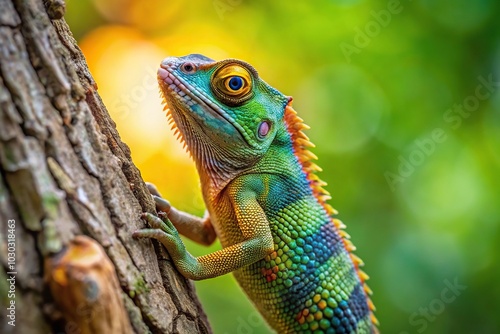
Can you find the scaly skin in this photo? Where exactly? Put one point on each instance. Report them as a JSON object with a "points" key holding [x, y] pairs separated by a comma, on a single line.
{"points": [[264, 202]]}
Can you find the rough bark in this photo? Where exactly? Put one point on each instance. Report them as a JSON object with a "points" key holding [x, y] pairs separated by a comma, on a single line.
{"points": [[64, 173]]}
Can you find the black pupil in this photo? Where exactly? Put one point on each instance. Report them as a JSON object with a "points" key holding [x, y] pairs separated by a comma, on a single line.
{"points": [[188, 67], [235, 83]]}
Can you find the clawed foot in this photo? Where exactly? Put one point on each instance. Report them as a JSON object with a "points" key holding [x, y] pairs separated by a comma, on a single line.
{"points": [[162, 230]]}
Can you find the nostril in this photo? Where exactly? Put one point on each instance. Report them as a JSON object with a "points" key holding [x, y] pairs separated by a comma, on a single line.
{"points": [[169, 63]]}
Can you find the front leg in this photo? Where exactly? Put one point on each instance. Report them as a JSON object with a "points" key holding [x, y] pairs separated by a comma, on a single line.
{"points": [[256, 244]]}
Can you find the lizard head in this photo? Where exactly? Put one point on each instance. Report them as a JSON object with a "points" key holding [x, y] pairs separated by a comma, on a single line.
{"points": [[226, 114]]}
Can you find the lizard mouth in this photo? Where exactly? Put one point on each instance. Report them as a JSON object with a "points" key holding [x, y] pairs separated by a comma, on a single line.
{"points": [[178, 92]]}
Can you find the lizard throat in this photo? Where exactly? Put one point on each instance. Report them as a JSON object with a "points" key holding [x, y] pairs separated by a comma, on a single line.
{"points": [[207, 157]]}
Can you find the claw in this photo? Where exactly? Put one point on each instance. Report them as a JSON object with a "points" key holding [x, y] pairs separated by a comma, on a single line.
{"points": [[138, 234]]}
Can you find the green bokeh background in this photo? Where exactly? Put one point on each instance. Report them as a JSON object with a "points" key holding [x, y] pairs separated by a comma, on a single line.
{"points": [[423, 211]]}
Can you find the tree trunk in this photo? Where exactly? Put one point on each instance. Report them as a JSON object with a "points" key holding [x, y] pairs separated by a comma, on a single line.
{"points": [[68, 191]]}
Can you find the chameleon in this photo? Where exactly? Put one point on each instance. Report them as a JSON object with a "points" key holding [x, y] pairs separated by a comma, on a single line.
{"points": [[264, 201]]}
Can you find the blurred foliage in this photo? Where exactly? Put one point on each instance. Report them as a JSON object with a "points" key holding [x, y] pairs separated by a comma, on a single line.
{"points": [[375, 80]]}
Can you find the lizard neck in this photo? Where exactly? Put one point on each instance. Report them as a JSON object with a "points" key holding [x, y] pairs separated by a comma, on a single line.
{"points": [[215, 169], [216, 165]]}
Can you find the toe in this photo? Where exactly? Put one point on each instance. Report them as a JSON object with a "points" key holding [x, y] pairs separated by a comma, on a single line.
{"points": [[162, 204], [152, 189]]}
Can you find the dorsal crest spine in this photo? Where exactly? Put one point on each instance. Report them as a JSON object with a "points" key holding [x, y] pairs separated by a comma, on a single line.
{"points": [[301, 144]]}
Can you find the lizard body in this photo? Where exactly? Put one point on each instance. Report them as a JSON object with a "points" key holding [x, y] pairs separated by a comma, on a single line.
{"points": [[264, 201]]}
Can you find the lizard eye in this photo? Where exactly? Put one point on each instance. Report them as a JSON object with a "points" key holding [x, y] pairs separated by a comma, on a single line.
{"points": [[188, 68], [232, 84]]}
